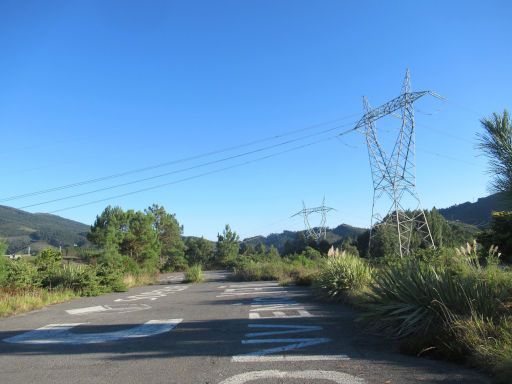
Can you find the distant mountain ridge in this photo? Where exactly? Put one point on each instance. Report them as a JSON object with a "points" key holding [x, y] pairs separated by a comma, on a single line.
{"points": [[39, 230], [477, 213], [279, 240]]}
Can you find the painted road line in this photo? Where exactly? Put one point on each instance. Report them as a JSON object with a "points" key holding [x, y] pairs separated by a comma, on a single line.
{"points": [[61, 334], [316, 340], [250, 293], [234, 290], [288, 358], [294, 345], [278, 308], [251, 285], [287, 329], [154, 294], [83, 311], [330, 376], [115, 308]]}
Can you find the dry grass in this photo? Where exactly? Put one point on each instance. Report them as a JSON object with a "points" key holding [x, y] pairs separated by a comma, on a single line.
{"points": [[15, 302], [137, 280]]}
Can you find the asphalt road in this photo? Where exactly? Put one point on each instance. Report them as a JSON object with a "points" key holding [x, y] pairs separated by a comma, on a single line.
{"points": [[216, 332]]}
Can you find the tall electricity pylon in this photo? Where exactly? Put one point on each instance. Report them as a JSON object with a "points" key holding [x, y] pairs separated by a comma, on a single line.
{"points": [[394, 176], [315, 233]]}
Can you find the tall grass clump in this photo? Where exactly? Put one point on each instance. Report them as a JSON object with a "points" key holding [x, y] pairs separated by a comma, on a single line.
{"points": [[488, 342], [194, 274], [295, 270], [19, 301], [343, 276], [258, 271], [131, 280], [458, 306]]}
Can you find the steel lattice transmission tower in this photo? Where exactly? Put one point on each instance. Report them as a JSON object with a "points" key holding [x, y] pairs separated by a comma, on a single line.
{"points": [[316, 233], [393, 175]]}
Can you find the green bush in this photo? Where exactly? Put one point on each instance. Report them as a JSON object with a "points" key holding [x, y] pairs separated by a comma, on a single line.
{"points": [[297, 270], [20, 274], [110, 276], [194, 274], [48, 264], [499, 234], [342, 275], [451, 306], [82, 279], [4, 262]]}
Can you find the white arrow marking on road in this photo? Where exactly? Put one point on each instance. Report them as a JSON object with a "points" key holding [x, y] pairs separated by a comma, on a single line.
{"points": [[283, 329], [332, 376], [61, 334]]}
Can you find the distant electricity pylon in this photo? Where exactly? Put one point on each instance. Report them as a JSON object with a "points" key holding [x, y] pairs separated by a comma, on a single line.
{"points": [[315, 233], [394, 176]]}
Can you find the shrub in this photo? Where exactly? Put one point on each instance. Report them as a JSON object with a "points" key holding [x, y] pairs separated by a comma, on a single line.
{"points": [[342, 275], [297, 270], [48, 263], [439, 306], [194, 274], [80, 278], [20, 274], [110, 276], [499, 234]]}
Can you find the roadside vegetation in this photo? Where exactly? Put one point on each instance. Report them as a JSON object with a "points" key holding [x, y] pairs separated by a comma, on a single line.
{"points": [[194, 274], [452, 302]]}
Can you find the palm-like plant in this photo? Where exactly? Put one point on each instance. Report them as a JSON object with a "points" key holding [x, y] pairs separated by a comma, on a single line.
{"points": [[496, 143]]}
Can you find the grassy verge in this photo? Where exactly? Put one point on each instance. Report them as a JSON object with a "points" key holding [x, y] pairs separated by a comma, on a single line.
{"points": [[13, 303], [283, 271], [136, 280], [455, 306], [16, 301]]}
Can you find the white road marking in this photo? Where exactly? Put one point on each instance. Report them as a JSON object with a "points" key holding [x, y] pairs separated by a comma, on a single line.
{"points": [[250, 285], [155, 294], [82, 311], [288, 358], [115, 308], [277, 307], [275, 341], [61, 334], [287, 329], [332, 376], [250, 293], [295, 344]]}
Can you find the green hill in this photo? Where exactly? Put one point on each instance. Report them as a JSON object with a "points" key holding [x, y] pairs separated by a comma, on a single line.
{"points": [[279, 240], [477, 213], [39, 230]]}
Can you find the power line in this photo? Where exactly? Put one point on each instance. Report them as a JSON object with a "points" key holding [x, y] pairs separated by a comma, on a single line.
{"points": [[201, 174], [177, 161], [185, 169]]}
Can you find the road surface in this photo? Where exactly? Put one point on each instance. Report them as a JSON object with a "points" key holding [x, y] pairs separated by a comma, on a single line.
{"points": [[217, 332]]}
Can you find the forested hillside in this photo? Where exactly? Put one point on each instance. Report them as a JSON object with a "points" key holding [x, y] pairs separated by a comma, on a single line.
{"points": [[280, 240], [39, 230], [477, 213]]}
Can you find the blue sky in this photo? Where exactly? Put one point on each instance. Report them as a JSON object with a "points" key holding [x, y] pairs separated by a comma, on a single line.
{"points": [[94, 88]]}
